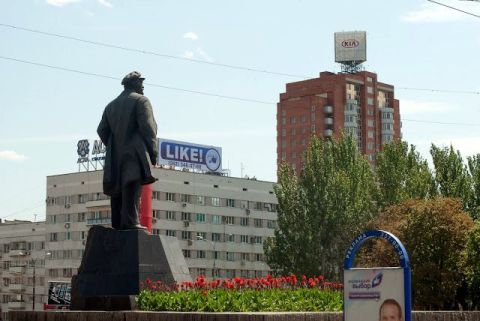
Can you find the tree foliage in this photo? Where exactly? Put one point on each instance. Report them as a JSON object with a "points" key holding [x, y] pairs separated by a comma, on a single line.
{"points": [[434, 233], [451, 173], [322, 210], [403, 174], [472, 267]]}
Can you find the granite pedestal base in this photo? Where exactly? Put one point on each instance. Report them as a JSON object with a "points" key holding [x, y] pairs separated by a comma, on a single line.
{"points": [[116, 262]]}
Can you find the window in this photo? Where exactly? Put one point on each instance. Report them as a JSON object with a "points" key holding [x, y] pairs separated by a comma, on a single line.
{"points": [[370, 101], [171, 233], [155, 231], [82, 198], [313, 128], [53, 237], [294, 143], [216, 237], [81, 217], [170, 197], [201, 236], [83, 235], [258, 257], [284, 132], [370, 145], [369, 79], [387, 126], [156, 195], [312, 117], [200, 218], [271, 224], [201, 200], [186, 253], [186, 235], [370, 123], [170, 215], [215, 201], [370, 112], [294, 155], [244, 221], [216, 219], [284, 143], [186, 216], [284, 120], [258, 239], [156, 214], [230, 202], [304, 118], [243, 238], [200, 254], [370, 90], [67, 218], [185, 198], [350, 119], [370, 134], [229, 238], [68, 236], [257, 222], [293, 120], [293, 131], [229, 220], [230, 256], [245, 256], [53, 219]]}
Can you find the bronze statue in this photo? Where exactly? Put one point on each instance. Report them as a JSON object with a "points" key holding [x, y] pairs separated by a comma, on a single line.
{"points": [[129, 132]]}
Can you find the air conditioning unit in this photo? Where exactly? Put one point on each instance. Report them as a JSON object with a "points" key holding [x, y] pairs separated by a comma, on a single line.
{"points": [[67, 225], [186, 223], [247, 211], [84, 242], [68, 205], [154, 220], [184, 204], [189, 242], [242, 263], [252, 239]]}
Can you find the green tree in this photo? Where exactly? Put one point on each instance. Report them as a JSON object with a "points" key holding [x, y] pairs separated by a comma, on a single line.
{"points": [[474, 202], [402, 174], [451, 174], [434, 232], [472, 267], [321, 211]]}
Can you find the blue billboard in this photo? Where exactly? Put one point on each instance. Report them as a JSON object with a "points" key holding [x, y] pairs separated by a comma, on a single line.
{"points": [[188, 155]]}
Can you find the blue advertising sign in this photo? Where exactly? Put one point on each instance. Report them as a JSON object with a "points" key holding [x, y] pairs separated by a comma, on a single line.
{"points": [[189, 155], [380, 293]]}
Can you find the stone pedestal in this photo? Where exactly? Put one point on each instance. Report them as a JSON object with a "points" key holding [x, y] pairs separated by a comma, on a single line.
{"points": [[115, 262]]}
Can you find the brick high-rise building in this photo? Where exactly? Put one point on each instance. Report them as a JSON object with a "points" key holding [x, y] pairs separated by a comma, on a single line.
{"points": [[326, 106]]}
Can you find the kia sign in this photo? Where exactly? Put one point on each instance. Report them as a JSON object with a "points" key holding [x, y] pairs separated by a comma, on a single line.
{"points": [[351, 46], [381, 293], [188, 155]]}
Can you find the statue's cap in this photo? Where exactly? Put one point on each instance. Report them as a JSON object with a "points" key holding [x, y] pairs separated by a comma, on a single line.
{"points": [[131, 77]]}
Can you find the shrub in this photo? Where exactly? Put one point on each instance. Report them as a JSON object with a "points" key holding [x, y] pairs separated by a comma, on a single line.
{"points": [[435, 234]]}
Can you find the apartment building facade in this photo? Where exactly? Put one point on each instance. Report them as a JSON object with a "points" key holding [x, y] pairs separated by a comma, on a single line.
{"points": [[220, 222], [22, 249], [331, 104]]}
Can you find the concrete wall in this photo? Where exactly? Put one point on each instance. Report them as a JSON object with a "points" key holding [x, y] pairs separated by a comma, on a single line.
{"points": [[199, 316]]}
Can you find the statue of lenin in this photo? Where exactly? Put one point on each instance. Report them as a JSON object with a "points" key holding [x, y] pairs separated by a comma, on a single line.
{"points": [[129, 132]]}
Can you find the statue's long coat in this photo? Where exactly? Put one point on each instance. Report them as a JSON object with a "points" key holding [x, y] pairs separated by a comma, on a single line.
{"points": [[129, 131]]}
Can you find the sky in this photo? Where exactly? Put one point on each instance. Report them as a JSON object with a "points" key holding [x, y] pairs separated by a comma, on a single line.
{"points": [[182, 47]]}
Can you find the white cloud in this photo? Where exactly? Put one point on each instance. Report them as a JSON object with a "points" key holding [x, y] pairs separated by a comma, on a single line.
{"points": [[202, 53], [437, 13], [188, 54], [60, 3], [190, 35], [90, 13], [198, 53], [12, 156], [105, 3], [410, 107]]}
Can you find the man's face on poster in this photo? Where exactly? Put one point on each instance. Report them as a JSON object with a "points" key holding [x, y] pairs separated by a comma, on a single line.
{"points": [[390, 312]]}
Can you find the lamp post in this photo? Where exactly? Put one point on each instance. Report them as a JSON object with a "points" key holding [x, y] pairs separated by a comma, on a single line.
{"points": [[201, 238]]}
